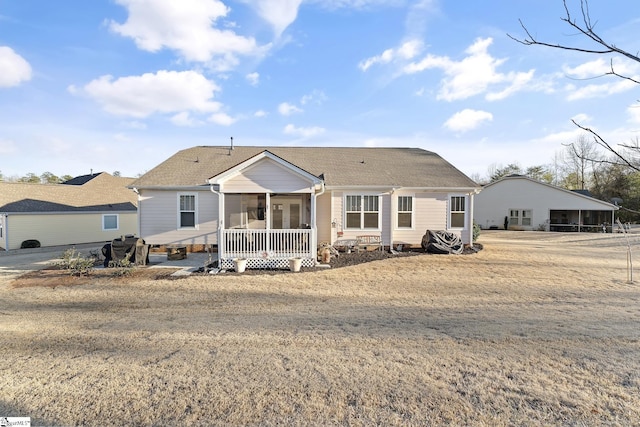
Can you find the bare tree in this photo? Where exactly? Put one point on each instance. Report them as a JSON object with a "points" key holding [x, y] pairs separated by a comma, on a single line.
{"points": [[580, 158], [626, 154]]}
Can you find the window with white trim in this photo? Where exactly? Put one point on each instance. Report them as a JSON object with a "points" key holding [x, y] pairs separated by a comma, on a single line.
{"points": [[520, 217], [405, 212], [457, 211], [110, 222], [187, 211], [362, 212]]}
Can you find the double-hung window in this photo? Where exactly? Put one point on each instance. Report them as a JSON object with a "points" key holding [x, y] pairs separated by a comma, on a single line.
{"points": [[520, 217], [362, 212], [405, 212], [457, 211], [110, 222], [187, 211]]}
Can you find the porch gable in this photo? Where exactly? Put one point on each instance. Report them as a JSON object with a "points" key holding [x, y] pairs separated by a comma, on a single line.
{"points": [[265, 173]]}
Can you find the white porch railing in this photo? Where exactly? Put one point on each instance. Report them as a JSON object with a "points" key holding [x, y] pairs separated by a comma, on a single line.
{"points": [[264, 248]]}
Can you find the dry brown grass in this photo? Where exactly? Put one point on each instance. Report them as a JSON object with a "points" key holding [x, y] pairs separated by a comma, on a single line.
{"points": [[534, 329]]}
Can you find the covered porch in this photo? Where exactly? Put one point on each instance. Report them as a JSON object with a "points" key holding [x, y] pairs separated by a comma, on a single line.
{"points": [[581, 220], [267, 230], [267, 211]]}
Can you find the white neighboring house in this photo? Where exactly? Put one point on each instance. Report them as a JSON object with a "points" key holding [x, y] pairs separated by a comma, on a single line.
{"points": [[269, 204], [86, 209], [528, 204]]}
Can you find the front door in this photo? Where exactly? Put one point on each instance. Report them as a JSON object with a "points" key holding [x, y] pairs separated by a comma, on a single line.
{"points": [[285, 213]]}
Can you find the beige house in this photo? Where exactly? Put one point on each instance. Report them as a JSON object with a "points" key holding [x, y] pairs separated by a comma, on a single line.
{"points": [[269, 204], [87, 209]]}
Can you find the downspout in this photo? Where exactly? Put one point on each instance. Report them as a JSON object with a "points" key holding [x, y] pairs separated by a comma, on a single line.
{"points": [[393, 207], [471, 197], [135, 190], [220, 222]]}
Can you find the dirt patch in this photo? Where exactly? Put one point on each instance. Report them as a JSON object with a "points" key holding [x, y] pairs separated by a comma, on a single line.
{"points": [[52, 277]]}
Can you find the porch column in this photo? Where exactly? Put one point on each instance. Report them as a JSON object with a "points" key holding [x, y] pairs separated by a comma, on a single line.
{"points": [[314, 228], [267, 211], [579, 220]]}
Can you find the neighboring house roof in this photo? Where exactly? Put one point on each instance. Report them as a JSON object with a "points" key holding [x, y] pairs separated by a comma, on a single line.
{"points": [[395, 167], [82, 179], [103, 193], [570, 193]]}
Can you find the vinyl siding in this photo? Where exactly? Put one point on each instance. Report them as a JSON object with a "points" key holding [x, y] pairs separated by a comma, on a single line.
{"points": [[267, 176], [324, 218], [159, 218], [493, 203], [430, 213], [66, 228]]}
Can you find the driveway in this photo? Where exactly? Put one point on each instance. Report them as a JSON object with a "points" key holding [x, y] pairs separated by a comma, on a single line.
{"points": [[18, 262]]}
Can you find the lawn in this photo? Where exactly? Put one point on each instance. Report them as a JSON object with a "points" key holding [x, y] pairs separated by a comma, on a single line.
{"points": [[535, 329]]}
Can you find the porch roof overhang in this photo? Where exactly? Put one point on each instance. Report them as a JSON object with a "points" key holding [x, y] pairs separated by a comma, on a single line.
{"points": [[217, 182], [387, 188]]}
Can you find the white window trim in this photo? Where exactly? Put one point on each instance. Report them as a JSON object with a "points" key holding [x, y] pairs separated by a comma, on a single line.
{"points": [[117, 222], [397, 211], [521, 216], [195, 216], [466, 211], [361, 228]]}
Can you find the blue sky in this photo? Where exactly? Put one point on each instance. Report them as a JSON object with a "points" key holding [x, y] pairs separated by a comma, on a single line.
{"points": [[120, 85]]}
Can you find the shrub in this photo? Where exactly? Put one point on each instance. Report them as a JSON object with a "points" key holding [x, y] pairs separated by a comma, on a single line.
{"points": [[124, 266], [75, 263], [31, 243], [476, 231]]}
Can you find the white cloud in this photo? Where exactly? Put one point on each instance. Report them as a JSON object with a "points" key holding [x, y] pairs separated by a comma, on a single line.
{"points": [[253, 79], [222, 119], [316, 97], [303, 132], [473, 75], [287, 109], [134, 124], [187, 28], [581, 118], [162, 92], [597, 69], [356, 4], [260, 113], [634, 113], [467, 119], [15, 69], [184, 119], [588, 70], [278, 13], [519, 81], [406, 51], [599, 90]]}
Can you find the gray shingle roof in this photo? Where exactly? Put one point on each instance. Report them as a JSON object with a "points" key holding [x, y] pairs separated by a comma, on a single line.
{"points": [[354, 166], [103, 193]]}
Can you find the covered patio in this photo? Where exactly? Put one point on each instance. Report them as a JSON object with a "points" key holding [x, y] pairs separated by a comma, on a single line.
{"points": [[581, 220]]}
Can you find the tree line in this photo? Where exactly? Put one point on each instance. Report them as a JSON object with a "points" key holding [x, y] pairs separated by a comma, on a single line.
{"points": [[44, 178]]}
